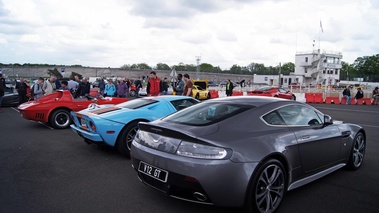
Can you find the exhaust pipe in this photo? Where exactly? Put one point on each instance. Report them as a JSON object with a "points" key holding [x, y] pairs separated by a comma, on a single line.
{"points": [[199, 196]]}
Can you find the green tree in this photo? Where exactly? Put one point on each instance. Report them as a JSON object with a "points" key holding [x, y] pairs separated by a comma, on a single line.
{"points": [[54, 72], [205, 67], [367, 67], [144, 66], [235, 69], [162, 66], [125, 67], [287, 68], [180, 67], [347, 72]]}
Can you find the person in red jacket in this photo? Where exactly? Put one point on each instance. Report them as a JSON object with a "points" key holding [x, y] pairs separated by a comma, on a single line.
{"points": [[154, 85]]}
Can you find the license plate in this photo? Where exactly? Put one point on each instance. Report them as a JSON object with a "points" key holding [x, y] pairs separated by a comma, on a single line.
{"points": [[153, 172], [83, 122]]}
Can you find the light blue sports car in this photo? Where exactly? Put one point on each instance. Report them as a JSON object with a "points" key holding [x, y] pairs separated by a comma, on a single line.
{"points": [[116, 125]]}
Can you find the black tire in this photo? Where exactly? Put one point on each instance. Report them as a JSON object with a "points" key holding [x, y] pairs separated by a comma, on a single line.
{"points": [[209, 95], [357, 152], [267, 188], [293, 98], [60, 119], [124, 141], [132, 93], [197, 96]]}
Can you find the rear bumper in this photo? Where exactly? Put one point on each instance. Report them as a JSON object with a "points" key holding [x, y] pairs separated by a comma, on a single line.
{"points": [[94, 138], [221, 182]]}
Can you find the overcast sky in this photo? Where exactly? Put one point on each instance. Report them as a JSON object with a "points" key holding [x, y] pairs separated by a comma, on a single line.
{"points": [[112, 33]]}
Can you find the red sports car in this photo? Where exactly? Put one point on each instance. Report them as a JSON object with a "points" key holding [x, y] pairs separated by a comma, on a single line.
{"points": [[55, 108], [273, 91]]}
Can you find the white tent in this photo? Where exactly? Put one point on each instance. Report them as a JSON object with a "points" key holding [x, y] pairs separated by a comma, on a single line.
{"points": [[173, 75]]}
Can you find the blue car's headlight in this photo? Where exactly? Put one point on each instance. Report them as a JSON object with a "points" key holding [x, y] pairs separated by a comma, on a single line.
{"points": [[195, 150]]}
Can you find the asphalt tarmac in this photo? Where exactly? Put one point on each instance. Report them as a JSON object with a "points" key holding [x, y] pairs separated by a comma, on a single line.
{"points": [[46, 170]]}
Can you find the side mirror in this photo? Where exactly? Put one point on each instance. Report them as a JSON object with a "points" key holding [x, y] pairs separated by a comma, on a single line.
{"points": [[328, 120]]}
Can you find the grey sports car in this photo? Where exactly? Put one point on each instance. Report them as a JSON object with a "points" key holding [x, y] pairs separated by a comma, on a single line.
{"points": [[243, 151]]}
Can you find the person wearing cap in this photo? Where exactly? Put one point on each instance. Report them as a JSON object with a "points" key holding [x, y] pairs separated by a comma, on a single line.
{"points": [[359, 95], [346, 94]]}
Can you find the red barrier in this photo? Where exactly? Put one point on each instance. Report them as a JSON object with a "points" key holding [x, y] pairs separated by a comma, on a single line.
{"points": [[237, 93], [309, 97], [343, 100], [314, 98], [364, 101], [332, 100], [214, 93], [319, 98]]}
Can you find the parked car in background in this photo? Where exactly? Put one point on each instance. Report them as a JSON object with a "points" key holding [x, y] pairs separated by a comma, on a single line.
{"points": [[97, 82], [200, 89], [212, 84], [55, 108], [117, 125], [10, 99], [243, 151], [273, 91]]}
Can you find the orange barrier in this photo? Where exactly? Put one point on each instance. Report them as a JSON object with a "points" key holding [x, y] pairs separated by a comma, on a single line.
{"points": [[332, 100], [319, 98], [343, 100], [214, 93], [364, 101], [314, 98], [237, 93]]}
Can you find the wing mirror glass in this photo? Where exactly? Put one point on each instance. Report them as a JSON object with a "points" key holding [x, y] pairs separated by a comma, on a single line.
{"points": [[328, 120]]}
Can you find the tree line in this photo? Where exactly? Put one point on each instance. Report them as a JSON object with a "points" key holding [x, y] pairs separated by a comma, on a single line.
{"points": [[366, 67]]}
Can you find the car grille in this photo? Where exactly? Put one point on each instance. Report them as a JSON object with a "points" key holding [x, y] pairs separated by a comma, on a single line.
{"points": [[40, 116]]}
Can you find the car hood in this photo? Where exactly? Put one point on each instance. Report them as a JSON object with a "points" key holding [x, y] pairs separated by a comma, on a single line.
{"points": [[26, 105], [109, 112]]}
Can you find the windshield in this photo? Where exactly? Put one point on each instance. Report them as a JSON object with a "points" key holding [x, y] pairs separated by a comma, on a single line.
{"points": [[207, 113], [137, 103], [264, 88]]}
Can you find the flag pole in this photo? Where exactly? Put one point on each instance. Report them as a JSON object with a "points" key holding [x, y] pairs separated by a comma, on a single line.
{"points": [[319, 37]]}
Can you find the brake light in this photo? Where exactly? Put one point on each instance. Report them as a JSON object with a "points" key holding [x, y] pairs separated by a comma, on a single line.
{"points": [[92, 125]]}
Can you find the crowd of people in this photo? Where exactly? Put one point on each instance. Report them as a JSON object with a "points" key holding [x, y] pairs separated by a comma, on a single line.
{"points": [[347, 94], [81, 88]]}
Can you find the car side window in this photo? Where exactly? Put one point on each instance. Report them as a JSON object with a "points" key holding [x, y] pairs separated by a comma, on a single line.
{"points": [[299, 115], [273, 118], [183, 103]]}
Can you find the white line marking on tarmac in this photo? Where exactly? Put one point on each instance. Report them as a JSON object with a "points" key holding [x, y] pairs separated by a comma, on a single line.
{"points": [[15, 109], [43, 124], [365, 125], [351, 110]]}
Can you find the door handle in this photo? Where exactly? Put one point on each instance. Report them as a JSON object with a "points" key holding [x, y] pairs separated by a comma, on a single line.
{"points": [[305, 137]]}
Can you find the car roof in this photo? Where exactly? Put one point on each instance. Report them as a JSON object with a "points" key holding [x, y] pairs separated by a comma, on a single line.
{"points": [[249, 100], [168, 97]]}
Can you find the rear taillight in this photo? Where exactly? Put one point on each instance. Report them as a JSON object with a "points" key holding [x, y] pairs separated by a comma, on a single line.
{"points": [[92, 125]]}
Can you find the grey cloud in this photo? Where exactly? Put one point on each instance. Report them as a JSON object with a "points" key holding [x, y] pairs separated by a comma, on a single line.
{"points": [[363, 36], [227, 36], [170, 23], [162, 11], [3, 10]]}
